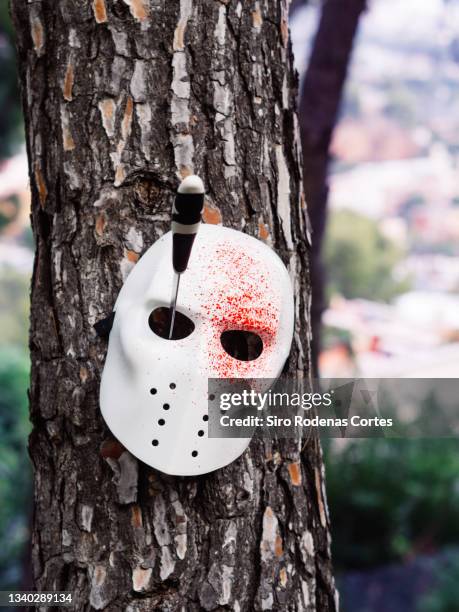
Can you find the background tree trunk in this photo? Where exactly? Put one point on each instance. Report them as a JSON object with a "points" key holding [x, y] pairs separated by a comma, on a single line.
{"points": [[321, 96], [121, 98]]}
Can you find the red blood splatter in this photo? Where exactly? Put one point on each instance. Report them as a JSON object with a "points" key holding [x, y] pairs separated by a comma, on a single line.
{"points": [[238, 295]]}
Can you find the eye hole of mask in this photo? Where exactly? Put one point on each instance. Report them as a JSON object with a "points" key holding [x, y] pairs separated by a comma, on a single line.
{"points": [[160, 320], [242, 345]]}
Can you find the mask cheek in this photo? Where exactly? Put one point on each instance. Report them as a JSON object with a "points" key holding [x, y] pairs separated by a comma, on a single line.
{"points": [[136, 340]]}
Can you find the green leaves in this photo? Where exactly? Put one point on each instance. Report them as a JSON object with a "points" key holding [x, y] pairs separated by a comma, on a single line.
{"points": [[389, 498], [15, 470], [359, 259], [11, 123]]}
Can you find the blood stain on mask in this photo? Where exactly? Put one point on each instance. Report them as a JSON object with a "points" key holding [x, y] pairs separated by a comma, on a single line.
{"points": [[238, 295]]}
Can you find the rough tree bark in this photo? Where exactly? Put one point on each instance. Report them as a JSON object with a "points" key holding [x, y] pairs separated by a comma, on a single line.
{"points": [[121, 98], [321, 96]]}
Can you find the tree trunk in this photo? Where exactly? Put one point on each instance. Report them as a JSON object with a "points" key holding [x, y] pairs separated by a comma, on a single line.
{"points": [[121, 99], [319, 105]]}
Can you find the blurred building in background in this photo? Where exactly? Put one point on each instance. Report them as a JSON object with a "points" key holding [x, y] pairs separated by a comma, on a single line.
{"points": [[396, 162], [392, 259]]}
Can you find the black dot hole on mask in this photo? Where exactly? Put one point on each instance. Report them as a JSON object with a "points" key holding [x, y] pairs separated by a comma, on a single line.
{"points": [[155, 442], [242, 345], [194, 453], [160, 322]]}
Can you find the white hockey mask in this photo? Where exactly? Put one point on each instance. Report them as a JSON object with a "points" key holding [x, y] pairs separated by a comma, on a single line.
{"points": [[154, 391]]}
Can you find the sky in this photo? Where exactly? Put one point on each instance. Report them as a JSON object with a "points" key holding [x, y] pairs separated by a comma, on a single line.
{"points": [[413, 23]]}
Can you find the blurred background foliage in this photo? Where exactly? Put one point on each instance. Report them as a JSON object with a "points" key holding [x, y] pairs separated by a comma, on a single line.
{"points": [[15, 469], [391, 499], [395, 529], [14, 309], [11, 124], [360, 268], [444, 595], [15, 477]]}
